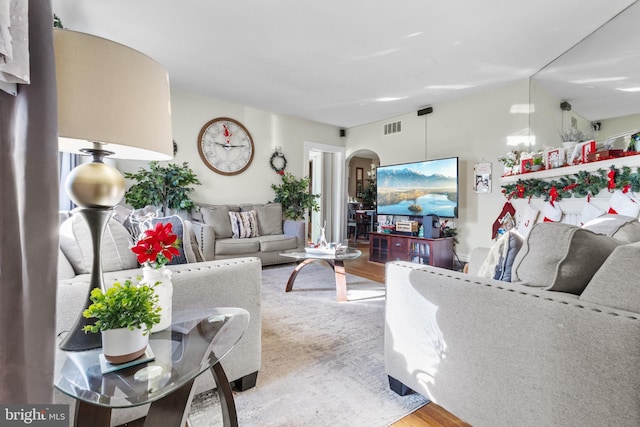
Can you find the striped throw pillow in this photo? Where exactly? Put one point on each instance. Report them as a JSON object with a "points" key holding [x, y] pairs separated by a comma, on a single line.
{"points": [[244, 224]]}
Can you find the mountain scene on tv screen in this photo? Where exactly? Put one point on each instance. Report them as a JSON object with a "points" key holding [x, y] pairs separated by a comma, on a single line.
{"points": [[407, 191]]}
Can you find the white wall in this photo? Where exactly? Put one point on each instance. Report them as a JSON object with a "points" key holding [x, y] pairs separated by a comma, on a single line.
{"points": [[191, 111], [475, 129], [618, 125]]}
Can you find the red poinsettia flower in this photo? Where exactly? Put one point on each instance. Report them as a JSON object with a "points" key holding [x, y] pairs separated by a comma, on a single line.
{"points": [[158, 246]]}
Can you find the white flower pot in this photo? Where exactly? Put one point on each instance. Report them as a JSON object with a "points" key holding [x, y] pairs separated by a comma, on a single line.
{"points": [[123, 345], [164, 290]]}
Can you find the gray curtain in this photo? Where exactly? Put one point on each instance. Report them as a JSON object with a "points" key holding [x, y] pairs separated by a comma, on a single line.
{"points": [[28, 223]]}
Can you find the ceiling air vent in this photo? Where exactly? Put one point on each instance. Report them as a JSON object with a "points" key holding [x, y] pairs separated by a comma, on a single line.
{"points": [[391, 128]]}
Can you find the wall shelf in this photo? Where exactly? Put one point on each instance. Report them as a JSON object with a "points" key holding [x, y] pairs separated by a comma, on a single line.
{"points": [[630, 161]]}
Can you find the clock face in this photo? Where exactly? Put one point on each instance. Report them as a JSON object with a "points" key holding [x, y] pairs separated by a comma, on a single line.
{"points": [[225, 146]]}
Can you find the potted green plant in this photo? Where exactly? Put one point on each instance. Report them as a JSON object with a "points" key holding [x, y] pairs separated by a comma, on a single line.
{"points": [[125, 314], [294, 196], [369, 194], [166, 186], [538, 163]]}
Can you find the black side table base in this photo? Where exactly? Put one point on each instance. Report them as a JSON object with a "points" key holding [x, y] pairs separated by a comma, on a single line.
{"points": [[225, 394]]}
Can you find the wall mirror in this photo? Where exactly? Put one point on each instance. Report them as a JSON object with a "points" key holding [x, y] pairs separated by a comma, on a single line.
{"points": [[598, 84]]}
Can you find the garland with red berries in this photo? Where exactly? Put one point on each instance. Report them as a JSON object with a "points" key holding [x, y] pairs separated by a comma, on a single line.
{"points": [[576, 185]]}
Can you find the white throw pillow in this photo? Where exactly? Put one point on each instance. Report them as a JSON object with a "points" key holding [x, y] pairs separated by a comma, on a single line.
{"points": [[500, 259]]}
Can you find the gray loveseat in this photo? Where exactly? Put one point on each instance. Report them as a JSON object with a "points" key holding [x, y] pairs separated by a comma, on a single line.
{"points": [[274, 235], [526, 353], [196, 285]]}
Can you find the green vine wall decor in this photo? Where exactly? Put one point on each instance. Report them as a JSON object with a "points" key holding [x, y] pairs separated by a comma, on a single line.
{"points": [[575, 185]]}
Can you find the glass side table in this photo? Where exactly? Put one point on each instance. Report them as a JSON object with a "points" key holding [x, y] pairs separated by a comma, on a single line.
{"points": [[195, 342]]}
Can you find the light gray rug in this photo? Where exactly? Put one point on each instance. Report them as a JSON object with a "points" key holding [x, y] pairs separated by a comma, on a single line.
{"points": [[322, 361]]}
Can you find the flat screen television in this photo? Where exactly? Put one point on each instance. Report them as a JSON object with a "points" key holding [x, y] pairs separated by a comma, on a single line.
{"points": [[429, 187]]}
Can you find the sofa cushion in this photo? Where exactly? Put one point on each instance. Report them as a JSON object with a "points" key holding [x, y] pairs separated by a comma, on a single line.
{"points": [[115, 249], [499, 262], [237, 246], [622, 227], [177, 226], [269, 217], [615, 284], [244, 224], [561, 257], [218, 218], [277, 243]]}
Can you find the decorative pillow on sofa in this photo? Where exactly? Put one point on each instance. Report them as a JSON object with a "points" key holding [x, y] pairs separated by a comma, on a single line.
{"points": [[561, 257], [75, 243], [615, 284], [244, 224], [499, 261], [621, 227], [269, 217]]}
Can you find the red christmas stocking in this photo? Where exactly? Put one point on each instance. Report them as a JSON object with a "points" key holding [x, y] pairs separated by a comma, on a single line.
{"points": [[507, 214]]}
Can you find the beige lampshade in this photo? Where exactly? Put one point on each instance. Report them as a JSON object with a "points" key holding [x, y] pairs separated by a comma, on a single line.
{"points": [[111, 94]]}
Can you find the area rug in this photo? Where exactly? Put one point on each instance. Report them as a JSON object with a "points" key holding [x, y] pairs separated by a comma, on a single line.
{"points": [[322, 361]]}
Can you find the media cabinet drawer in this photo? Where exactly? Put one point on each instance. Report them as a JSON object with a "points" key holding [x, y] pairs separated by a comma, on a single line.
{"points": [[399, 245]]}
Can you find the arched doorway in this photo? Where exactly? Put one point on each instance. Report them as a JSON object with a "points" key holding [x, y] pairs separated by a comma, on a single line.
{"points": [[361, 193]]}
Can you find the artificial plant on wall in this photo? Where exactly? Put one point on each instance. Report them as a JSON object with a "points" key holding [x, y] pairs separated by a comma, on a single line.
{"points": [[166, 186]]}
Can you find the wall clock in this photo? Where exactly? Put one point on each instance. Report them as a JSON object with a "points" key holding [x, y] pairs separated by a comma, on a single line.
{"points": [[225, 146]]}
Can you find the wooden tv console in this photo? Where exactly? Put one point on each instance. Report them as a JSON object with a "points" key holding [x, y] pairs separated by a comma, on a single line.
{"points": [[385, 247]]}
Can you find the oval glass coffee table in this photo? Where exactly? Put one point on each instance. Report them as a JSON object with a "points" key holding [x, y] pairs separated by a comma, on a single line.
{"points": [[335, 261], [195, 342]]}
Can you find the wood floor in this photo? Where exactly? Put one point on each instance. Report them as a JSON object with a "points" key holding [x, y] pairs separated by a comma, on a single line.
{"points": [[431, 414]]}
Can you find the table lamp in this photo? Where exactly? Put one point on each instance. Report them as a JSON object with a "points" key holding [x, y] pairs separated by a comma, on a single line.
{"points": [[112, 101]]}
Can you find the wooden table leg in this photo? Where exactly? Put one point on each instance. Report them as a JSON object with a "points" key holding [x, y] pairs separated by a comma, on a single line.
{"points": [[295, 272], [341, 280], [94, 415], [225, 394], [338, 269], [171, 410]]}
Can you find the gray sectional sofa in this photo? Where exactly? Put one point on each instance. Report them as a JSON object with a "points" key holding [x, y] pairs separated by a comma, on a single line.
{"points": [[275, 235], [198, 284], [559, 346]]}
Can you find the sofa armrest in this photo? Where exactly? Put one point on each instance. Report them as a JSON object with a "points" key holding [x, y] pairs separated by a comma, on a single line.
{"points": [[206, 237], [295, 228], [486, 349]]}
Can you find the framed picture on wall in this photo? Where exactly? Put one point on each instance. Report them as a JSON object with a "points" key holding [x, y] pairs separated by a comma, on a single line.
{"points": [[359, 181], [482, 177]]}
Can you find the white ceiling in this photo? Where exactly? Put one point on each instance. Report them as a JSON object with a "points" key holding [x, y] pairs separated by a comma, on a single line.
{"points": [[332, 61]]}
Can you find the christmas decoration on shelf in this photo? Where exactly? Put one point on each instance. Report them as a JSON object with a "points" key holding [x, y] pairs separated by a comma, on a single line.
{"points": [[576, 185]]}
